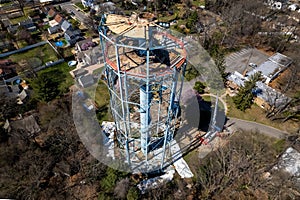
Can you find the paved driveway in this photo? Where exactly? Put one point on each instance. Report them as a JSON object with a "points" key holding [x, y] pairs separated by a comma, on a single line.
{"points": [[234, 123]]}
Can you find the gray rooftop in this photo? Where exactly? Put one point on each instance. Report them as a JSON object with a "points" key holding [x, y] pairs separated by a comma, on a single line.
{"points": [[267, 68], [270, 95], [281, 59], [271, 67], [237, 78]]}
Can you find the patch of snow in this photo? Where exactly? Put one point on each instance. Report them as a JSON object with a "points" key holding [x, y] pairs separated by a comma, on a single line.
{"points": [[290, 162]]}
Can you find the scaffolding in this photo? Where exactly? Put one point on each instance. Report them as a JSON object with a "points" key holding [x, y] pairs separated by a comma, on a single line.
{"points": [[144, 72]]}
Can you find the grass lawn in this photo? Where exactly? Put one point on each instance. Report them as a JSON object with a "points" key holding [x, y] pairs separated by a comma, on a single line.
{"points": [[6, 4], [102, 95], [257, 114], [101, 98], [18, 19], [65, 69], [79, 5], [45, 53], [198, 3], [212, 100], [167, 18]]}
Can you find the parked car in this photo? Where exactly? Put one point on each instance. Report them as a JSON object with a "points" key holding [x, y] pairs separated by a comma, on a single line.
{"points": [[253, 65]]}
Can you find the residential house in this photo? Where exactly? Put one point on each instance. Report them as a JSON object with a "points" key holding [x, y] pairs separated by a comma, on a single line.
{"points": [[5, 22], [91, 56], [7, 69], [51, 13], [277, 4], [5, 44], [59, 19], [265, 96], [15, 15], [84, 44], [36, 18], [12, 29], [54, 29], [88, 53], [72, 36], [28, 24], [65, 26]]}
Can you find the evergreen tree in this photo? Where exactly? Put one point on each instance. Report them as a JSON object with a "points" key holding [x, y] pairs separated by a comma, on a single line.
{"points": [[199, 87], [244, 98], [46, 85]]}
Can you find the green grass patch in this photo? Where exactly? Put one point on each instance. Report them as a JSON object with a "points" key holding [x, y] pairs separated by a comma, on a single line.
{"points": [[79, 5], [44, 53], [65, 69], [257, 114], [51, 82], [168, 18], [206, 98], [18, 19], [6, 4], [198, 3], [279, 145], [102, 94], [212, 100]]}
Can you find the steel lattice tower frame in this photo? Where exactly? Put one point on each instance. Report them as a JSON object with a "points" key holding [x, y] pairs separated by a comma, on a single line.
{"points": [[144, 72]]}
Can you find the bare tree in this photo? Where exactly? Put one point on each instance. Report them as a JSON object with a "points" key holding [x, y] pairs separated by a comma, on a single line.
{"points": [[21, 5]]}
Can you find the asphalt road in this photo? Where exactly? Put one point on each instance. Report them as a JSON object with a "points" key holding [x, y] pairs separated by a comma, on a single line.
{"points": [[234, 123], [78, 14]]}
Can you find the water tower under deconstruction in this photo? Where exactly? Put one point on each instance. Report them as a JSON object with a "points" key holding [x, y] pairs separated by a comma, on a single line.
{"points": [[144, 72]]}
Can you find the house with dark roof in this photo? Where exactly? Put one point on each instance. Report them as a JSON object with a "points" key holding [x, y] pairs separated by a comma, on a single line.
{"points": [[79, 72], [36, 18], [12, 29], [7, 69], [5, 22], [15, 14], [72, 36], [84, 45], [53, 29], [5, 44], [28, 24], [91, 56]]}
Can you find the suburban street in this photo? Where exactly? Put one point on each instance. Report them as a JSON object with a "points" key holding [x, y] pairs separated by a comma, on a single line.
{"points": [[78, 14]]}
